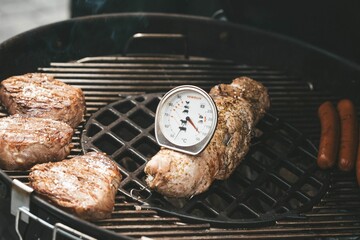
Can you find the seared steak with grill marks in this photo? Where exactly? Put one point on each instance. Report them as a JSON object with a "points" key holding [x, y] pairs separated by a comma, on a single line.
{"points": [[240, 105], [84, 185], [25, 141], [40, 95]]}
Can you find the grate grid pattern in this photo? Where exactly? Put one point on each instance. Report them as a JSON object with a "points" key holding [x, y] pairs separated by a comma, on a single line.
{"points": [[276, 179], [294, 101]]}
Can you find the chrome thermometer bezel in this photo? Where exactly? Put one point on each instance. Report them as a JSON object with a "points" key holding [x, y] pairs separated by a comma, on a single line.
{"points": [[198, 147]]}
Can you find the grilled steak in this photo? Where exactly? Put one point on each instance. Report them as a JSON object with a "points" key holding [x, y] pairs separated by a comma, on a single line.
{"points": [[84, 185], [25, 141], [40, 95], [240, 105]]}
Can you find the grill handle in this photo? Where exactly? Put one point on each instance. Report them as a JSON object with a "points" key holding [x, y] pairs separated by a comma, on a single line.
{"points": [[144, 36], [57, 229]]}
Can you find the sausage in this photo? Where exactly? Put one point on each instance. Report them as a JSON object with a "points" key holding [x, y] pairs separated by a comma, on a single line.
{"points": [[348, 136], [330, 135], [358, 161]]}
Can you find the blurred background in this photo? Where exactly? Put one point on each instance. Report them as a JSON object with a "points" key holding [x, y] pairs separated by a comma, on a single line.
{"points": [[332, 25], [17, 16]]}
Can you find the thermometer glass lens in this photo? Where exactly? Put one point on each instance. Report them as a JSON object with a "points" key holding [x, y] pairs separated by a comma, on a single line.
{"points": [[186, 118]]}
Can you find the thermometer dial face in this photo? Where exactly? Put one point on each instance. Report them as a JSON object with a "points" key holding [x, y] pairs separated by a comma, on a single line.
{"points": [[186, 119]]}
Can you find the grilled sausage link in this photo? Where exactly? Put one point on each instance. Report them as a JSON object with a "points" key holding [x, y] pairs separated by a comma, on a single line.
{"points": [[358, 161], [348, 136], [330, 135]]}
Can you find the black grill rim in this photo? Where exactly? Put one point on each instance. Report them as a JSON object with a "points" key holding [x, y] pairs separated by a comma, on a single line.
{"points": [[310, 61]]}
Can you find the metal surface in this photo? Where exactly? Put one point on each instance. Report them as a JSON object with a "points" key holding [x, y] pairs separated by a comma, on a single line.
{"points": [[57, 229], [157, 36], [198, 146], [20, 197], [108, 79]]}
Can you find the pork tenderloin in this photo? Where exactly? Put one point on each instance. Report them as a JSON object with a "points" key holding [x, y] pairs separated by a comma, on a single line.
{"points": [[240, 105]]}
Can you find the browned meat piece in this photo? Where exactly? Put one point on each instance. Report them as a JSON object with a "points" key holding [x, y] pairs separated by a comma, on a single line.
{"points": [[84, 185], [175, 174], [40, 95], [252, 91], [26, 141]]}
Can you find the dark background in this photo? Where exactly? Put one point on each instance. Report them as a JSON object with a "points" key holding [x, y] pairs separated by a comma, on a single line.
{"points": [[333, 25]]}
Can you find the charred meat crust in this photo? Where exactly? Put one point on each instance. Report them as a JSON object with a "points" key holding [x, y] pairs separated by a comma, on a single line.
{"points": [[84, 185], [26, 141], [40, 95], [253, 92]]}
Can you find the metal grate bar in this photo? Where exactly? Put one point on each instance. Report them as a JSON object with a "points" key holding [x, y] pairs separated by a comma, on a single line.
{"points": [[138, 220], [264, 236], [141, 59], [123, 228], [160, 70], [146, 65], [252, 234]]}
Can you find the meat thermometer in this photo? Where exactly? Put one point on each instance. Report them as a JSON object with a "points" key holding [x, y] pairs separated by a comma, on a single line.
{"points": [[185, 119]]}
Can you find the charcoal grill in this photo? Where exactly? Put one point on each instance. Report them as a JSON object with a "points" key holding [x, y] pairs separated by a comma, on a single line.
{"points": [[299, 78]]}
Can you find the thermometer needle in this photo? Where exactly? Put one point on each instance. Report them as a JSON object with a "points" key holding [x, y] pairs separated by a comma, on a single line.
{"points": [[191, 123], [180, 129]]}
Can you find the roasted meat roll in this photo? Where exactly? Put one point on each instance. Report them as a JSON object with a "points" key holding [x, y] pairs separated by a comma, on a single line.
{"points": [[25, 141], [40, 95], [240, 105], [253, 92], [84, 185]]}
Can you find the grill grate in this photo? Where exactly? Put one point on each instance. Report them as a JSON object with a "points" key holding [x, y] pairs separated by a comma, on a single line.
{"points": [[294, 101], [278, 178]]}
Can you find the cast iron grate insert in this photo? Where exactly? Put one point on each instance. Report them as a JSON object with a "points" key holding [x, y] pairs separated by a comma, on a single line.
{"points": [[277, 179]]}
